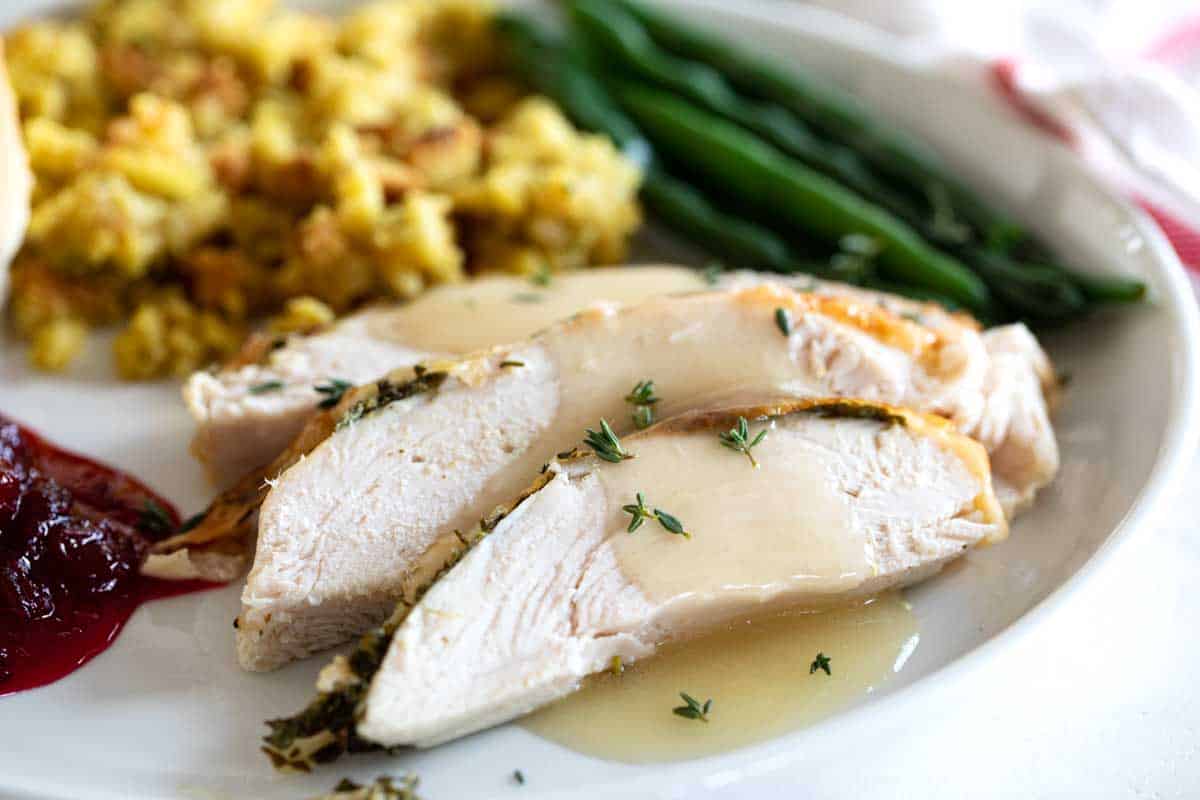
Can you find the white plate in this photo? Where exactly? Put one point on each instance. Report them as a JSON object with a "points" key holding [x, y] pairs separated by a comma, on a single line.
{"points": [[166, 713]]}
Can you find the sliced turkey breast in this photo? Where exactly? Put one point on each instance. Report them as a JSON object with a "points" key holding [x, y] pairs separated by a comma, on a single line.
{"points": [[1020, 391], [16, 180], [341, 528], [239, 428], [842, 500]]}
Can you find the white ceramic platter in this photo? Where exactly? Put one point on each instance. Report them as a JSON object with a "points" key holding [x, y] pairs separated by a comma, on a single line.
{"points": [[167, 713]]}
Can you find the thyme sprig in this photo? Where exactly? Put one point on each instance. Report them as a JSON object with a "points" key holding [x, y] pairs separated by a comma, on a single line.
{"points": [[641, 512], [606, 443], [642, 398], [821, 662], [738, 439], [266, 386], [783, 321], [154, 519], [333, 391], [693, 708], [388, 392]]}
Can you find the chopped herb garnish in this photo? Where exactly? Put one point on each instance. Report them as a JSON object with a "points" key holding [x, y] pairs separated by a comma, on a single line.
{"points": [[388, 392], [640, 513], [333, 391], [542, 277], [154, 519], [519, 777], [712, 272], [693, 708], [382, 788], [783, 321], [616, 666], [527, 297], [512, 363], [671, 523], [738, 439], [267, 386], [191, 522], [643, 399], [820, 662], [606, 444], [642, 394]]}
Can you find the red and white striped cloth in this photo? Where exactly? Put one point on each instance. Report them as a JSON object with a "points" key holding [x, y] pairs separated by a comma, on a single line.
{"points": [[1117, 80]]}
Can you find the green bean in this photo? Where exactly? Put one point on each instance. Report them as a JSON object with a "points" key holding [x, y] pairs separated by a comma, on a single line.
{"points": [[1029, 292], [688, 212], [609, 31], [831, 110], [759, 175], [1108, 288], [1032, 292]]}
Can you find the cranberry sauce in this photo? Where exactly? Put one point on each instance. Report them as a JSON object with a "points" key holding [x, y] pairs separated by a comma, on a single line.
{"points": [[73, 534]]}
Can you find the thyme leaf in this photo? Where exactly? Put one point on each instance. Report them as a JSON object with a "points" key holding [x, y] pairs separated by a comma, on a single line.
{"points": [[382, 788], [712, 272], [738, 439], [192, 522], [512, 363], [821, 662], [527, 297], [642, 394], [519, 777], [616, 666], [543, 276], [155, 520], [642, 398], [783, 321], [640, 512], [266, 386], [333, 391], [606, 444], [693, 708]]}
